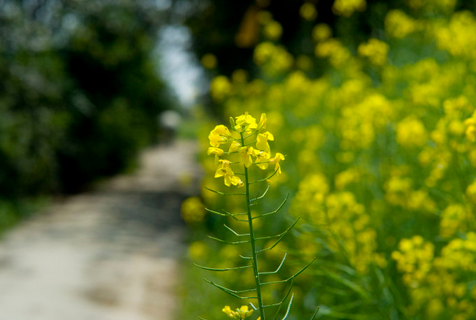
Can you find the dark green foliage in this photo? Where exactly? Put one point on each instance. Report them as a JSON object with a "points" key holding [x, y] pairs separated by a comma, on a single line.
{"points": [[80, 93]]}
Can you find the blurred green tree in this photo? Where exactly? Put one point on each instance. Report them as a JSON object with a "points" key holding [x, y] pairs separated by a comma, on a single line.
{"points": [[80, 93]]}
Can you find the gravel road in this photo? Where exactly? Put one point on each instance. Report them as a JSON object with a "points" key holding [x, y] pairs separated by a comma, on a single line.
{"points": [[108, 254]]}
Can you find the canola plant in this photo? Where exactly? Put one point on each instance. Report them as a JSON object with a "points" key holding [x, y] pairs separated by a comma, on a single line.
{"points": [[383, 165]]}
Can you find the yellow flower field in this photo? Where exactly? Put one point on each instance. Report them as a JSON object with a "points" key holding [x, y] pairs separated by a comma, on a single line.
{"points": [[380, 165]]}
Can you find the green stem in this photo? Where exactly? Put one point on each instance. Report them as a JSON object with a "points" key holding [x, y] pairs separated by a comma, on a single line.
{"points": [[253, 241]]}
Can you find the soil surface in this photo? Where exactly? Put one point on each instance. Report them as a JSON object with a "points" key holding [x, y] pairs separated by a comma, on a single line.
{"points": [[109, 254]]}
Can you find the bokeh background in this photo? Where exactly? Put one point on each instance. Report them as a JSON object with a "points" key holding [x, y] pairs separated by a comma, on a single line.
{"points": [[372, 102]]}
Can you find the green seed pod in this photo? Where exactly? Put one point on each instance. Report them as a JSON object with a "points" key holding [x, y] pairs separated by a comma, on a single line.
{"points": [[232, 123]]}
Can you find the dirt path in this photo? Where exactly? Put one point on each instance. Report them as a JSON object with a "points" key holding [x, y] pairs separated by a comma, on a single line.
{"points": [[111, 254]]}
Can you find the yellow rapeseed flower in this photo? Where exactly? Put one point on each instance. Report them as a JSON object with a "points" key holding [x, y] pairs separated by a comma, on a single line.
{"points": [[234, 146], [215, 150], [262, 159], [228, 174], [219, 135], [245, 156], [375, 50], [227, 310], [238, 314], [246, 126], [246, 123], [278, 157], [262, 141]]}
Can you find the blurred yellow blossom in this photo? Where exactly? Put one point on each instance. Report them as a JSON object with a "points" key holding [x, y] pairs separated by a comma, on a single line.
{"points": [[414, 258], [308, 11], [347, 7], [470, 132], [273, 30], [399, 25], [220, 87], [239, 76], [272, 58], [411, 133], [193, 210], [375, 50], [304, 63], [338, 55], [321, 32], [265, 17], [453, 218], [197, 250], [209, 61], [471, 192], [456, 37]]}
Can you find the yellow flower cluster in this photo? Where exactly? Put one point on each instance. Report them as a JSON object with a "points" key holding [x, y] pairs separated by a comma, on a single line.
{"points": [[385, 156], [347, 7], [345, 221], [439, 285], [361, 122], [239, 313], [456, 36], [272, 29], [375, 50], [273, 59], [470, 125], [459, 254], [333, 49], [399, 25], [454, 218], [399, 191], [414, 259], [243, 127]]}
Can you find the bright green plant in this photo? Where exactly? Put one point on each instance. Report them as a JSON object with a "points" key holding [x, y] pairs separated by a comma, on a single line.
{"points": [[250, 152]]}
